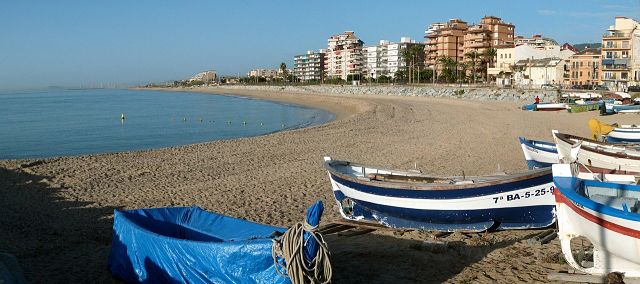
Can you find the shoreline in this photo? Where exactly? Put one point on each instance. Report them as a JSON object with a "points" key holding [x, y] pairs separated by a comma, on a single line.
{"points": [[62, 208]]}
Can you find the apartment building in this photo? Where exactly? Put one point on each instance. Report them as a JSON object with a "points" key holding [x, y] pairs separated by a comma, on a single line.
{"points": [[621, 54], [445, 40], [539, 72], [309, 66], [535, 41], [344, 56], [584, 68], [266, 73], [506, 58], [206, 76], [491, 32], [387, 58]]}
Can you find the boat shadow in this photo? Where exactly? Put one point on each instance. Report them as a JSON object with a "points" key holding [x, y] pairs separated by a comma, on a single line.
{"points": [[383, 258], [55, 240]]}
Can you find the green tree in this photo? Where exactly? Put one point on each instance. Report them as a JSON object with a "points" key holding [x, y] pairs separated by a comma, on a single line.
{"points": [[283, 69], [473, 55], [449, 69], [489, 55], [412, 56]]}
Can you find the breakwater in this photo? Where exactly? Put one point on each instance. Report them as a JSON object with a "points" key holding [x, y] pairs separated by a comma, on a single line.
{"points": [[467, 93]]}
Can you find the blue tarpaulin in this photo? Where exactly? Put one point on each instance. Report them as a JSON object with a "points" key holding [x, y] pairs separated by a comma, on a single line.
{"points": [[191, 245]]}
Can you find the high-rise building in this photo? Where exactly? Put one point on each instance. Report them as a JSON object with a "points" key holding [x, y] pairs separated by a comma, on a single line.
{"points": [[445, 40], [343, 57], [309, 66], [387, 58], [584, 68], [206, 76], [621, 54], [491, 32], [455, 38]]}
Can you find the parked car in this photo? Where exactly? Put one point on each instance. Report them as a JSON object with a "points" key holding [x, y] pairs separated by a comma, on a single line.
{"points": [[635, 89], [600, 88], [548, 86]]}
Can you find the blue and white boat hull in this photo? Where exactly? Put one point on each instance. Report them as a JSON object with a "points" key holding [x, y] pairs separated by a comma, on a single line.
{"points": [[606, 214], [538, 154], [624, 135], [514, 204]]}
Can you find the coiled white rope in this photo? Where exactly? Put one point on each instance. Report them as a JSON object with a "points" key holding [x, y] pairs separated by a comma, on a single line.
{"points": [[290, 247]]}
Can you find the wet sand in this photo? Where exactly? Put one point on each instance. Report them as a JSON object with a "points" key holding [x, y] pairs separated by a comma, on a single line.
{"points": [[56, 214]]}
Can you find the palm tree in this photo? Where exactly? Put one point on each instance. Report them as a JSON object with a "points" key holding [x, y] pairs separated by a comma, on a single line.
{"points": [[449, 68], [411, 56], [489, 54], [473, 55], [283, 70]]}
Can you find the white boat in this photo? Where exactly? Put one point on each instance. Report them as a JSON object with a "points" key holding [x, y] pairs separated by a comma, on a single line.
{"points": [[604, 213], [598, 157], [624, 134], [551, 106], [405, 199], [538, 154]]}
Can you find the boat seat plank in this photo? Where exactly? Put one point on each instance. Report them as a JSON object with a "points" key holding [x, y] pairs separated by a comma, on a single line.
{"points": [[628, 204]]}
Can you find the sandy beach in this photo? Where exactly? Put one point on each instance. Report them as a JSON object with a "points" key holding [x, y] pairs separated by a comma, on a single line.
{"points": [[56, 214]]}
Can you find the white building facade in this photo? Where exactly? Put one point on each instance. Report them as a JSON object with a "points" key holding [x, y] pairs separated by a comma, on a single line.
{"points": [[206, 76], [309, 66], [344, 57], [506, 59], [387, 58]]}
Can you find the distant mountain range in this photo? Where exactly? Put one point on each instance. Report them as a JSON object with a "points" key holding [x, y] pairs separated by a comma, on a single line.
{"points": [[582, 46]]}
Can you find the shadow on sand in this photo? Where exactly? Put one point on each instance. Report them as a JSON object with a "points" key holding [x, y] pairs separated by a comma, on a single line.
{"points": [[54, 239], [375, 258]]}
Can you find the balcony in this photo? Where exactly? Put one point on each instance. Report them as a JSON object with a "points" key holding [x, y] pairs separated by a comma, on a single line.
{"points": [[616, 35], [615, 67], [478, 44]]}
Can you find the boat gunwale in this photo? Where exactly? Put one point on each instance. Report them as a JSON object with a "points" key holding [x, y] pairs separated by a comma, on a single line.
{"points": [[124, 214], [532, 143], [573, 196], [509, 178], [567, 139]]}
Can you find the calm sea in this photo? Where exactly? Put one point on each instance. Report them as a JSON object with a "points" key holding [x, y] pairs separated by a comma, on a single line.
{"points": [[75, 122]]}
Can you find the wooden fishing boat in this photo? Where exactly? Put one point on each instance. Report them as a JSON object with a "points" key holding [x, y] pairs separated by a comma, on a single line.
{"points": [[407, 199], [606, 214], [551, 106], [629, 108], [624, 134], [614, 133], [596, 156], [538, 154], [191, 245]]}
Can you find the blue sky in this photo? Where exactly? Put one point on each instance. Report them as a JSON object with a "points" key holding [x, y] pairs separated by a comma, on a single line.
{"points": [[73, 43]]}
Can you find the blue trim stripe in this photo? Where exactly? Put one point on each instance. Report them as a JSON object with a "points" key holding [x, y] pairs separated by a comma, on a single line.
{"points": [[534, 144], [449, 220], [627, 130], [620, 140], [572, 188], [533, 164], [447, 194]]}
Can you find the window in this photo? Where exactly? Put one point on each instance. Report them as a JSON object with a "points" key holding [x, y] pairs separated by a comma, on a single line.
{"points": [[608, 75], [580, 63], [625, 44], [625, 54], [580, 73], [624, 75], [609, 55]]}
